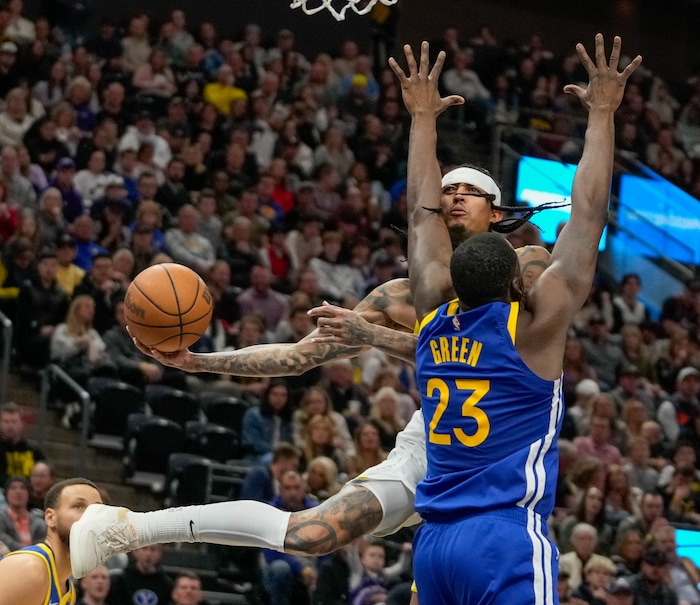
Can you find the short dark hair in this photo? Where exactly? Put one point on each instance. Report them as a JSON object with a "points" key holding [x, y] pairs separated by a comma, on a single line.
{"points": [[482, 269], [285, 451], [55, 492], [10, 408], [189, 574]]}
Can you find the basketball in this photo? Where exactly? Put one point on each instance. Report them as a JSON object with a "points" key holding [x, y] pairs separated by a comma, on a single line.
{"points": [[167, 307]]}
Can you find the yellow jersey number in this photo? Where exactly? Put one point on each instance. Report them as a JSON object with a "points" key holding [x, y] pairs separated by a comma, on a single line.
{"points": [[470, 409]]}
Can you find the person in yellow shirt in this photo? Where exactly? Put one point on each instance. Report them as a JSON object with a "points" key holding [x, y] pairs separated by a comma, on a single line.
{"points": [[68, 275], [222, 93]]}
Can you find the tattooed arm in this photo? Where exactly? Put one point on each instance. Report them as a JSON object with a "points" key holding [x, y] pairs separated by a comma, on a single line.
{"points": [[334, 523], [338, 325]]}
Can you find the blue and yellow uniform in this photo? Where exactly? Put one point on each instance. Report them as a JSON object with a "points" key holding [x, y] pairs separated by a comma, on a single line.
{"points": [[55, 595], [491, 434]]}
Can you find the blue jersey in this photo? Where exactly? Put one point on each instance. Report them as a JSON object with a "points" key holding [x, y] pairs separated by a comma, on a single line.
{"points": [[56, 594], [491, 423]]}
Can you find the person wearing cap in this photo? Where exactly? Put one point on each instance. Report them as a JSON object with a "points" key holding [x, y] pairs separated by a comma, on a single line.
{"points": [[683, 572], [631, 386], [18, 527], [41, 306], [682, 311], [68, 274], [619, 592], [650, 586], [355, 102], [63, 180], [9, 73], [682, 407]]}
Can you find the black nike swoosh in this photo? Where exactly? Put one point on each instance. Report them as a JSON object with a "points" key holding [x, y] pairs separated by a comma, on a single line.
{"points": [[191, 529]]}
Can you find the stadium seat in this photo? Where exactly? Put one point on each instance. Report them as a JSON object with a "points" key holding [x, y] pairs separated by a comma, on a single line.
{"points": [[113, 402], [223, 410], [176, 405]]}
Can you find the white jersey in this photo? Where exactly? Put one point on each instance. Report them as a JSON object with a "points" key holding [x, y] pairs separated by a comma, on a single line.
{"points": [[406, 465]]}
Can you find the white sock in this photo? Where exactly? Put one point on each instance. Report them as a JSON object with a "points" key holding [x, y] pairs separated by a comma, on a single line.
{"points": [[239, 523]]}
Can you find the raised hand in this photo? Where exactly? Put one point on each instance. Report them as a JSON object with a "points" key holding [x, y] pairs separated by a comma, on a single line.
{"points": [[340, 325], [420, 87], [606, 85]]}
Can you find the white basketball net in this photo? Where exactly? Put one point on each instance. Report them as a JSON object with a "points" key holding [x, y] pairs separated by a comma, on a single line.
{"points": [[338, 8]]}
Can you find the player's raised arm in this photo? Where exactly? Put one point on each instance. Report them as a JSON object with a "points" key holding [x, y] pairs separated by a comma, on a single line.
{"points": [[575, 253], [429, 244]]}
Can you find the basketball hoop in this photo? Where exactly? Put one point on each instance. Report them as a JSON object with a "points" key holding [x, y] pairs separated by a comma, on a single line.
{"points": [[338, 8]]}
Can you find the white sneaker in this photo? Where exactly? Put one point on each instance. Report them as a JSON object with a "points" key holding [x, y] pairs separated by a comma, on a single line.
{"points": [[102, 532]]}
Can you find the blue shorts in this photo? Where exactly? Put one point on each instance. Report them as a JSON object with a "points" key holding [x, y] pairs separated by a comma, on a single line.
{"points": [[501, 557]]}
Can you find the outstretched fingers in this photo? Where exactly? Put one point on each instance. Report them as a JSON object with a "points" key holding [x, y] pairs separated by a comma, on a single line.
{"points": [[630, 69]]}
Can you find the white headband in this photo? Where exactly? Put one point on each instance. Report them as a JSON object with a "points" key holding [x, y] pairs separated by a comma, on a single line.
{"points": [[473, 177]]}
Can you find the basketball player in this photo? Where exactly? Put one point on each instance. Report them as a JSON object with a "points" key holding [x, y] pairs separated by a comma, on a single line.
{"points": [[39, 574], [381, 499], [489, 370]]}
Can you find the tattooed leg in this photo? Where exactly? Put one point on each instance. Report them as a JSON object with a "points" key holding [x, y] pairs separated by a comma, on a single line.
{"points": [[338, 521]]}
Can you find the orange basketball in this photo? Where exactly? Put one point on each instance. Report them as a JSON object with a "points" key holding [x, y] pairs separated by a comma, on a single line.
{"points": [[168, 307]]}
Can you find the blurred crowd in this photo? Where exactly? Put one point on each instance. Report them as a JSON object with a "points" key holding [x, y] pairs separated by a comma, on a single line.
{"points": [[280, 179]]}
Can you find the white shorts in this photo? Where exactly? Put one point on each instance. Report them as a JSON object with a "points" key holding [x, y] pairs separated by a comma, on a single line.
{"points": [[394, 481]]}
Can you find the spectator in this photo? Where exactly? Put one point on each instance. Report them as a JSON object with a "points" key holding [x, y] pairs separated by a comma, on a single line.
{"points": [[9, 71], [188, 247], [639, 472], [287, 578], [368, 449], [649, 586], [227, 311], [18, 527], [627, 308], [222, 93], [68, 274], [321, 478], [679, 410], [154, 79], [19, 188], [620, 499], [597, 574], [261, 298], [91, 182], [628, 551], [591, 510], [461, 79], [103, 289], [79, 349], [576, 367], [586, 392], [73, 205], [597, 442], [321, 439], [42, 305], [369, 578], [384, 412], [631, 386], [143, 133], [18, 455], [143, 579], [584, 541], [672, 359], [265, 426], [316, 401], [262, 482], [637, 353], [604, 355], [683, 310], [41, 479], [339, 281], [94, 587], [133, 366], [135, 46], [187, 589], [15, 120], [683, 572], [172, 194], [650, 516], [682, 495]]}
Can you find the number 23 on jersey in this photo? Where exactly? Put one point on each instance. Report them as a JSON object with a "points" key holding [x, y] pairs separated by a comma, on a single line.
{"points": [[471, 392]]}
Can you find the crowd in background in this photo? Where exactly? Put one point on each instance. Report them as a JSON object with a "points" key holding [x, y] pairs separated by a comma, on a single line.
{"points": [[280, 179]]}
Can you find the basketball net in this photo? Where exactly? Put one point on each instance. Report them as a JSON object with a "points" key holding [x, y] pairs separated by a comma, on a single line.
{"points": [[338, 8]]}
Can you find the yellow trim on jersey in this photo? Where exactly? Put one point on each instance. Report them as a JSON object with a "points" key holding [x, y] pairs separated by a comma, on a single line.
{"points": [[69, 597], [414, 588], [452, 309], [513, 319]]}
